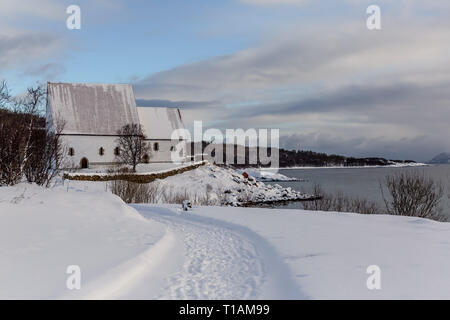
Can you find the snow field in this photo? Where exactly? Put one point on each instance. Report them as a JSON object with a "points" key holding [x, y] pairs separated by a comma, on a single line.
{"points": [[156, 251], [328, 254]]}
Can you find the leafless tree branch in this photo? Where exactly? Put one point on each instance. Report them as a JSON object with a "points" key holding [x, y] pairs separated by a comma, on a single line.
{"points": [[132, 145]]}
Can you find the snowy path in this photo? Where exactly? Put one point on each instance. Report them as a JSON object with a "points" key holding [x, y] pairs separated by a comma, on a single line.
{"points": [[220, 260]]}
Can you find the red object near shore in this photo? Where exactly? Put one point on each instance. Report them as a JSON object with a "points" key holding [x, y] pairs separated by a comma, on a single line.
{"points": [[245, 174]]}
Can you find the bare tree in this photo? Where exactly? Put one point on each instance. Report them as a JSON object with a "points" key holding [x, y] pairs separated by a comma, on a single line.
{"points": [[414, 194], [47, 155], [11, 140], [30, 106], [132, 145], [5, 97], [21, 116], [27, 148]]}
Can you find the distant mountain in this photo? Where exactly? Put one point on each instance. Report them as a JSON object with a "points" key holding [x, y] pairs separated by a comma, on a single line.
{"points": [[441, 158]]}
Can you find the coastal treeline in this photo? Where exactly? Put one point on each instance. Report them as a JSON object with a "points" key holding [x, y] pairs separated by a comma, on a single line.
{"points": [[299, 158], [289, 158]]}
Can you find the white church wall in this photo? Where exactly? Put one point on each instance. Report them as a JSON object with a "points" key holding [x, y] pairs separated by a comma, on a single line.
{"points": [[163, 154], [89, 147]]}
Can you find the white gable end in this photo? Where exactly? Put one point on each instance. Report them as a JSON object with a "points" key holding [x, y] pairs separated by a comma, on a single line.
{"points": [[159, 123]]}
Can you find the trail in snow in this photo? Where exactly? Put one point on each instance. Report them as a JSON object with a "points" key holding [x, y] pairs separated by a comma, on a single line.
{"points": [[220, 260], [218, 264], [196, 258]]}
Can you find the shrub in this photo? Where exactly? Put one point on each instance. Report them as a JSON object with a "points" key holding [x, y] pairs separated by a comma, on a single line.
{"points": [[132, 192], [413, 194], [340, 203]]}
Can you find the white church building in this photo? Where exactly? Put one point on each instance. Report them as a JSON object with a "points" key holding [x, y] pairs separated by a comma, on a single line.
{"points": [[93, 114]]}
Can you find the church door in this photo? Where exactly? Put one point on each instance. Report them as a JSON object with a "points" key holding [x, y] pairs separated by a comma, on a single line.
{"points": [[84, 163]]}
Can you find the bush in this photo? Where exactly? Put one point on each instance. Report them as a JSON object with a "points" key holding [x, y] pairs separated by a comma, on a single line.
{"points": [[414, 194], [131, 192], [340, 203], [46, 156]]}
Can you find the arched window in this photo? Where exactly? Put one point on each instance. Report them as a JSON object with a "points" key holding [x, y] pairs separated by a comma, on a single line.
{"points": [[101, 151], [117, 151], [71, 152], [172, 148], [145, 158], [156, 146]]}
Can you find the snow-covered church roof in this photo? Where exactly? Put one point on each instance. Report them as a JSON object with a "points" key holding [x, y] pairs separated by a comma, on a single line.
{"points": [[87, 108], [159, 123]]}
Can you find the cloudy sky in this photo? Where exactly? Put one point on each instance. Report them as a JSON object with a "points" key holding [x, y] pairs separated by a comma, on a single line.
{"points": [[308, 67]]}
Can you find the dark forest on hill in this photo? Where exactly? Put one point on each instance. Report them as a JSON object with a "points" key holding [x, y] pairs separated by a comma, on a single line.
{"points": [[300, 158]]}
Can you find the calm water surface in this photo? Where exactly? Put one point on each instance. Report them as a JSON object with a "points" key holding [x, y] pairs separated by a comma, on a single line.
{"points": [[358, 182]]}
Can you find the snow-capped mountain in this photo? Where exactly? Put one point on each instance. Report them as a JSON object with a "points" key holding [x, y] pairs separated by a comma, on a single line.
{"points": [[441, 158]]}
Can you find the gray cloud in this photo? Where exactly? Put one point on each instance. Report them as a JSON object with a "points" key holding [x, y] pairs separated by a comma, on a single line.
{"points": [[274, 2], [387, 89], [24, 49], [421, 148], [339, 55], [48, 71], [173, 104], [348, 98], [47, 9]]}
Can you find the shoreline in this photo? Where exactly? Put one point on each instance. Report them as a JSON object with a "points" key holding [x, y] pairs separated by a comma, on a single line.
{"points": [[256, 204], [356, 167]]}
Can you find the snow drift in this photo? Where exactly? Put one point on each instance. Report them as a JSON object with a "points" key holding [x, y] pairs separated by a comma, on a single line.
{"points": [[43, 231]]}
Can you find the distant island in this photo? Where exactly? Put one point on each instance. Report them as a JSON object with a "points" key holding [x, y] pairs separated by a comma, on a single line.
{"points": [[298, 158]]}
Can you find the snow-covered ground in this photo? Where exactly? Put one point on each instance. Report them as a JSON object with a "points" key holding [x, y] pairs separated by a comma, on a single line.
{"points": [[43, 231], [327, 254], [215, 185], [266, 174], [158, 251], [208, 185]]}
